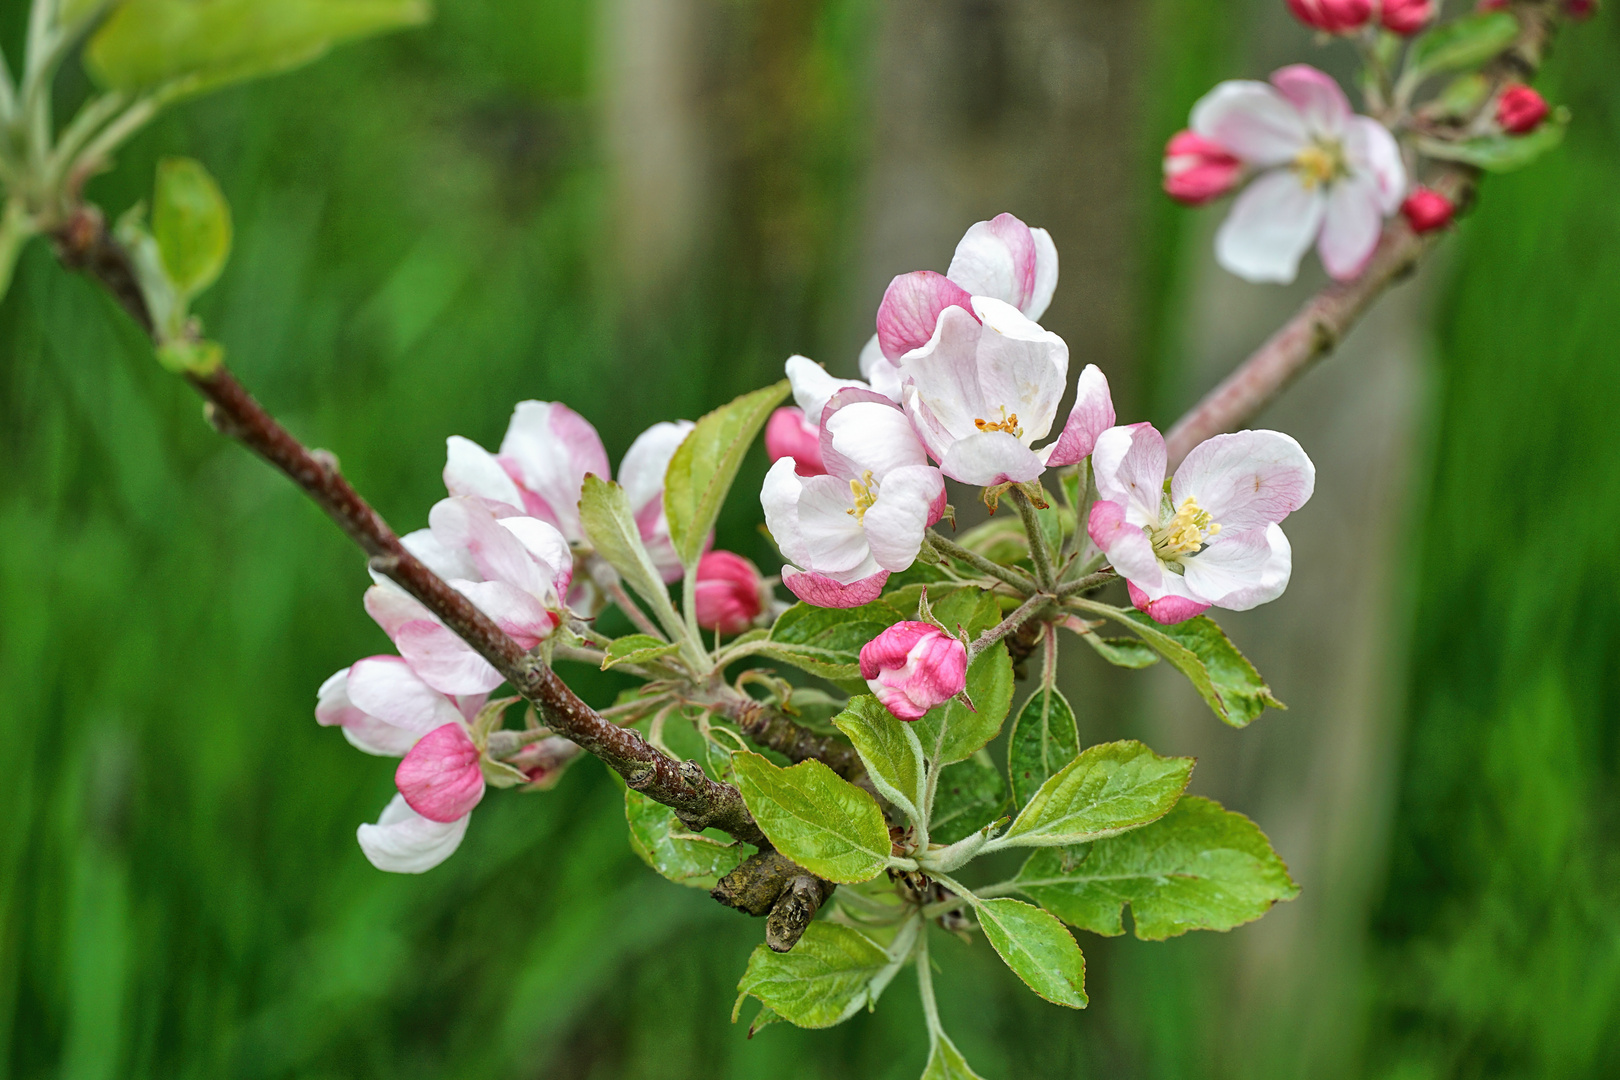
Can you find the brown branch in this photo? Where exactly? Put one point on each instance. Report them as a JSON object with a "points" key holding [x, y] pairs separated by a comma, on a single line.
{"points": [[774, 730], [1324, 320]]}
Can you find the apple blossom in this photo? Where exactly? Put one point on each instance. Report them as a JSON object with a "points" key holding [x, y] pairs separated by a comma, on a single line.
{"points": [[912, 667], [789, 433], [1197, 171], [544, 458], [1332, 16], [846, 531], [1210, 539], [1520, 110], [730, 592], [1427, 210], [1326, 175], [383, 706]]}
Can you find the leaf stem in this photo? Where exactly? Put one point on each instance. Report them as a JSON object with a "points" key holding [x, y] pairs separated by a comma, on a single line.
{"points": [[1012, 622], [1022, 582], [1038, 553], [925, 990]]}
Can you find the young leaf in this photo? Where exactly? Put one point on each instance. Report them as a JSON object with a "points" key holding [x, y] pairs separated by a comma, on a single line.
{"points": [[892, 759], [1044, 738], [826, 979], [945, 1062], [1462, 43], [1199, 867], [701, 472], [192, 224], [1038, 948], [604, 511], [145, 43], [637, 649], [1107, 789], [969, 795], [1501, 152], [816, 818], [670, 848]]}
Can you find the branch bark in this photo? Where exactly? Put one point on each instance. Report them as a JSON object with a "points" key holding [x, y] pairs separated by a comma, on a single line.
{"points": [[1324, 320]]}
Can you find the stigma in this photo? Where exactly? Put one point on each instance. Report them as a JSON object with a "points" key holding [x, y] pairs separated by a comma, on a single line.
{"points": [[1184, 534], [1322, 162], [1009, 424], [864, 492]]}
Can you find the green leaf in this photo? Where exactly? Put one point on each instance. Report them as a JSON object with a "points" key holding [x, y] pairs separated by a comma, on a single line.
{"points": [[1501, 152], [604, 512], [825, 641], [192, 224], [670, 848], [1038, 948], [190, 357], [1044, 738], [1122, 652], [816, 818], [892, 758], [705, 464], [195, 45], [1199, 867], [1107, 789], [1200, 650], [1461, 43], [945, 1062], [637, 649], [969, 795], [826, 979]]}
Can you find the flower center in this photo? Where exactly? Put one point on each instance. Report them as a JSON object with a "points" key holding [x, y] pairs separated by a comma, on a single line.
{"points": [[1009, 424], [1185, 534], [864, 492], [1322, 162]]}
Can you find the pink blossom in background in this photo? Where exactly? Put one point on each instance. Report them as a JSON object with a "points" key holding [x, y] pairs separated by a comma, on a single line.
{"points": [[846, 531], [1427, 210], [1197, 171], [1332, 16], [1214, 539], [912, 667], [1406, 17], [1520, 110], [1325, 175], [788, 433], [730, 592]]}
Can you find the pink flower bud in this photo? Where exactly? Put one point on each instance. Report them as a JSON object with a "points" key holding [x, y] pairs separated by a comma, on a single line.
{"points": [[789, 433], [1520, 110], [1580, 9], [912, 667], [1406, 17], [1332, 16], [730, 592], [1490, 5], [441, 778], [1197, 170], [1427, 210]]}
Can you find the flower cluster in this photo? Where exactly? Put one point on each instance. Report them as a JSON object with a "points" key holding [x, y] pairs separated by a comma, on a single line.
{"points": [[960, 374]]}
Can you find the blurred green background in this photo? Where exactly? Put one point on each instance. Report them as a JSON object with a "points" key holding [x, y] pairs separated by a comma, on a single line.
{"points": [[641, 207]]}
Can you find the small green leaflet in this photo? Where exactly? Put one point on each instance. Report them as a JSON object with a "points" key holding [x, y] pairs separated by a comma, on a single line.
{"points": [[945, 1062], [892, 758], [970, 795], [825, 641], [1044, 738], [1122, 652], [1038, 948], [191, 46], [826, 979], [816, 818], [1107, 789], [604, 511], [1199, 867], [1461, 43], [192, 225], [670, 847], [1501, 152], [637, 649], [705, 464]]}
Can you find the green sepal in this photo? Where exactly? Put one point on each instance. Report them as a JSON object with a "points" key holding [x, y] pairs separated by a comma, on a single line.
{"points": [[637, 649]]}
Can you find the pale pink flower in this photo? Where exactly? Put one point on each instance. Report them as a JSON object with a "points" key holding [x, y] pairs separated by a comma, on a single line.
{"points": [[541, 468], [912, 667], [383, 706], [1326, 175], [845, 532], [1212, 540], [730, 592]]}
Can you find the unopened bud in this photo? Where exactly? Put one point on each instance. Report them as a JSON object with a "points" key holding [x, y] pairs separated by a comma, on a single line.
{"points": [[1427, 210], [1197, 169], [1332, 16], [730, 592], [912, 667], [789, 434], [441, 778], [1520, 110], [1406, 17]]}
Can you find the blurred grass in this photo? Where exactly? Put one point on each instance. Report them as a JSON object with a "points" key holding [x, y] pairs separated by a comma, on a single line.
{"points": [[423, 235]]}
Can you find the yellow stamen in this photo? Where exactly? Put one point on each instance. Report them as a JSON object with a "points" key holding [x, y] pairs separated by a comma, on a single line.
{"points": [[1320, 163], [864, 492], [1186, 533], [1009, 424]]}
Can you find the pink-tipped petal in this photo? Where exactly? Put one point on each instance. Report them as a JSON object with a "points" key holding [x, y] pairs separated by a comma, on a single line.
{"points": [[1320, 101], [441, 778], [911, 667], [392, 607], [1128, 548], [554, 448], [520, 614], [1093, 413], [1271, 225], [546, 546], [405, 842], [789, 435], [1247, 479], [1351, 226], [387, 688], [730, 592], [1128, 465], [443, 660], [641, 473], [1253, 121], [469, 469], [999, 258], [1198, 170], [911, 308], [1167, 610], [822, 591]]}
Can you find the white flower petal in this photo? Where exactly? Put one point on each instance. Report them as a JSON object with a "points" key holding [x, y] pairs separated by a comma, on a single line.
{"points": [[1320, 101], [469, 469], [879, 370], [872, 436], [779, 498], [1351, 226], [1246, 480], [1128, 465], [812, 386], [385, 687], [896, 522], [1271, 225], [405, 842], [1022, 368], [1253, 121], [1372, 151], [642, 471], [834, 539], [1243, 570], [554, 448], [991, 457]]}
